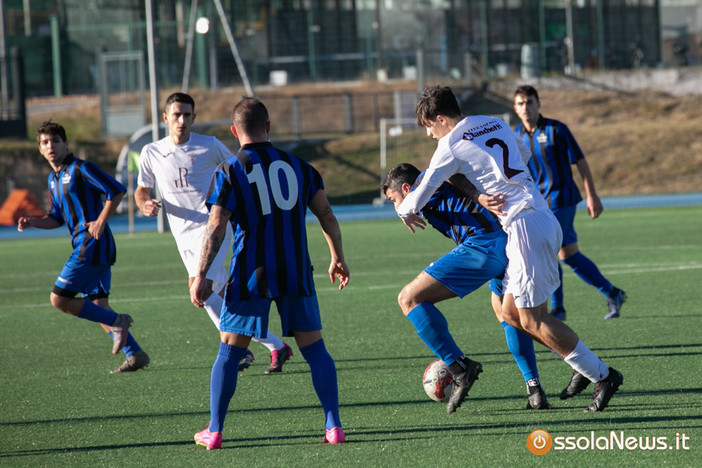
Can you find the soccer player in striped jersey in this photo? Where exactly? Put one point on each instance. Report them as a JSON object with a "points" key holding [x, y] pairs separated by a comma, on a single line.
{"points": [[479, 257], [77, 190], [491, 156], [264, 193], [181, 165], [553, 151]]}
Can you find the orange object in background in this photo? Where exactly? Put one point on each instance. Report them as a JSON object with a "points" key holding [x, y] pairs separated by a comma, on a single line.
{"points": [[19, 203]]}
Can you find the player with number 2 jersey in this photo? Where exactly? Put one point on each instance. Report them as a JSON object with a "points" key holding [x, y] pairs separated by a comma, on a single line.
{"points": [[485, 150], [488, 153]]}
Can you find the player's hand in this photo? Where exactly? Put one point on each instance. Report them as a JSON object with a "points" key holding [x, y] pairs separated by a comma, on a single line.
{"points": [[339, 269], [493, 203], [151, 208], [23, 223], [594, 206], [414, 221], [197, 292], [95, 228]]}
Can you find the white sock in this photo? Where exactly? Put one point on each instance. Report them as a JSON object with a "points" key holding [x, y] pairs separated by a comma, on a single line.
{"points": [[584, 361], [271, 342], [213, 306]]}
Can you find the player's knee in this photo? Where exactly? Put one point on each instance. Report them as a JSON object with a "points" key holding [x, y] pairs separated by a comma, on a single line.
{"points": [[58, 302], [406, 301]]}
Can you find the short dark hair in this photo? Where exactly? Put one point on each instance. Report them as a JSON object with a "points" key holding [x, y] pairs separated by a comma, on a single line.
{"points": [[398, 175], [51, 128], [179, 97], [526, 90], [250, 115], [435, 101]]}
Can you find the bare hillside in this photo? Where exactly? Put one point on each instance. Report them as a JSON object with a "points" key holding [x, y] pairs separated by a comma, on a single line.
{"points": [[639, 142]]}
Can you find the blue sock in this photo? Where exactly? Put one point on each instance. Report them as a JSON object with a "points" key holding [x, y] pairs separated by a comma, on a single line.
{"points": [[223, 383], [95, 313], [131, 346], [324, 380], [432, 328], [557, 296], [522, 348], [588, 272]]}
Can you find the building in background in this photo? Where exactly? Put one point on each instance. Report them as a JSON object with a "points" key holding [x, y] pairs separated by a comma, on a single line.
{"points": [[287, 41]]}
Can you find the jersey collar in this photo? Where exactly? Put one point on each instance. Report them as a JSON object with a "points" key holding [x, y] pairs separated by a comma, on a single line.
{"points": [[66, 162], [260, 144]]}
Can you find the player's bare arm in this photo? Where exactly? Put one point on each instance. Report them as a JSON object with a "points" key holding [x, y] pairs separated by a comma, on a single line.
{"points": [[44, 222], [147, 205], [594, 205], [320, 207], [212, 240], [494, 203], [97, 227]]}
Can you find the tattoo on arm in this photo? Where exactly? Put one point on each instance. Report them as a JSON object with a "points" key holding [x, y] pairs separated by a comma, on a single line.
{"points": [[211, 243]]}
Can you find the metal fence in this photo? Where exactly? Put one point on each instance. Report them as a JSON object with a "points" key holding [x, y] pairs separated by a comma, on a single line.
{"points": [[335, 40]]}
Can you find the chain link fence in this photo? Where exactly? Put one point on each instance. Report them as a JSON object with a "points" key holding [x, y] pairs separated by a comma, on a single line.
{"points": [[292, 41]]}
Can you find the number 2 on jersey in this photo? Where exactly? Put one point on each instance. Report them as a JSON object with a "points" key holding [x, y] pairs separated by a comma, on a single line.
{"points": [[276, 172], [509, 172]]}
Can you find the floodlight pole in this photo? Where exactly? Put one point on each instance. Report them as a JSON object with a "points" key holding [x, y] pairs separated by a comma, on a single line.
{"points": [[4, 89], [569, 38], [153, 87], [235, 50], [189, 47]]}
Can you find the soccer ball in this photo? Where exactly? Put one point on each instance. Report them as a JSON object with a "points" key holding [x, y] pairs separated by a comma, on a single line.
{"points": [[438, 381]]}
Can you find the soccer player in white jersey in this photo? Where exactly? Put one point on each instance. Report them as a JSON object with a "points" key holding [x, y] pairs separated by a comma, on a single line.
{"points": [[489, 154], [181, 165]]}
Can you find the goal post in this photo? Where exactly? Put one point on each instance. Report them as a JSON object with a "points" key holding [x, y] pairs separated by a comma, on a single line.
{"points": [[402, 140]]}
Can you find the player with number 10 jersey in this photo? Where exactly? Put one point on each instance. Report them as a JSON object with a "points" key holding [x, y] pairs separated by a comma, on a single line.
{"points": [[268, 202]]}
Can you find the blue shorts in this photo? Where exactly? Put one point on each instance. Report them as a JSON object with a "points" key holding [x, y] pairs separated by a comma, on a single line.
{"points": [[471, 264], [78, 277], [565, 217], [250, 318], [496, 286]]}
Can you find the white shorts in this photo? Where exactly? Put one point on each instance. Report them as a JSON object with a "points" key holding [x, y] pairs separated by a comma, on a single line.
{"points": [[533, 240], [190, 246], [217, 272]]}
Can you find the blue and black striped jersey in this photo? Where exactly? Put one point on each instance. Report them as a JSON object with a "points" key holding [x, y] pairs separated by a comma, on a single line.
{"points": [[77, 191], [267, 191], [457, 216], [553, 150]]}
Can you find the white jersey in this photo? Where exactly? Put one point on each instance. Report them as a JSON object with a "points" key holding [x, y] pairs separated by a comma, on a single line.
{"points": [[183, 174], [487, 151]]}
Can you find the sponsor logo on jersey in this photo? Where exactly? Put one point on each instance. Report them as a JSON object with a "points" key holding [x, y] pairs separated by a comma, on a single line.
{"points": [[182, 180], [474, 133]]}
